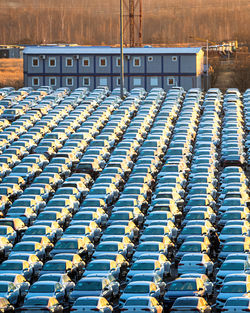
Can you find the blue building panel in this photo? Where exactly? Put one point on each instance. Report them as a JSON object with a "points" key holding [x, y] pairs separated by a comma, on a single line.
{"points": [[188, 64], [154, 63], [171, 63]]}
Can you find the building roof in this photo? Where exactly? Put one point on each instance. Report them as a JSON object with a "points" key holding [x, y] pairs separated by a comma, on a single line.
{"points": [[108, 50]]}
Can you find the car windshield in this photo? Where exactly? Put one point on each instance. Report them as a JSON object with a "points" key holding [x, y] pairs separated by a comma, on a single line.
{"points": [[119, 216], [233, 248], [233, 289], [66, 245], [41, 288], [231, 231], [50, 278], [20, 170], [231, 216], [86, 302], [46, 216], [148, 247], [24, 247], [3, 231], [143, 266], [3, 287], [109, 248], [228, 266], [54, 266], [89, 286], [235, 278], [154, 231], [190, 248], [35, 231], [237, 302], [11, 266], [192, 258], [191, 230], [36, 301], [75, 231], [186, 302], [115, 231], [137, 289], [183, 286], [136, 302], [195, 216], [84, 216], [92, 266]]}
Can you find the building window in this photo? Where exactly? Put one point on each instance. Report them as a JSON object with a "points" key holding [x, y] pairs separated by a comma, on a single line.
{"points": [[85, 62], [52, 81], [174, 59], [154, 81], [86, 81], [35, 62], [137, 81], [137, 62], [69, 81], [35, 81], [103, 81], [150, 59], [102, 62], [69, 62], [171, 81], [118, 81], [52, 62], [118, 61]]}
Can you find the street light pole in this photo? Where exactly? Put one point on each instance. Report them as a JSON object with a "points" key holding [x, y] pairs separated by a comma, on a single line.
{"points": [[121, 51]]}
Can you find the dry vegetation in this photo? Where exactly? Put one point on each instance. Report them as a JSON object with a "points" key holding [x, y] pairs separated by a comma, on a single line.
{"points": [[11, 73], [96, 22]]}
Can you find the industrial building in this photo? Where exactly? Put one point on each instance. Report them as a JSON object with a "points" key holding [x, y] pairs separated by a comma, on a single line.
{"points": [[7, 52], [80, 66]]}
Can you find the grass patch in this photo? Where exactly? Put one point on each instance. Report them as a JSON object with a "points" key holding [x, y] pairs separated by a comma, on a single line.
{"points": [[11, 73]]}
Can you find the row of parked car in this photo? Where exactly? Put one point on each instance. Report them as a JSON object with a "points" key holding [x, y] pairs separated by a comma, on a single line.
{"points": [[129, 205]]}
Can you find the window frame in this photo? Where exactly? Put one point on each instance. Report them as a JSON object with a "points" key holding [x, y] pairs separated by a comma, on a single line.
{"points": [[157, 79], [118, 81], [118, 61], [136, 59], [169, 78], [66, 62], [100, 83], [54, 59], [38, 81], [35, 59], [85, 59], [50, 81], [139, 84], [100, 61], [86, 77], [67, 84]]}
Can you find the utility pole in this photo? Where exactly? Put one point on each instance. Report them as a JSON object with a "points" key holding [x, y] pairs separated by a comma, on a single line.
{"points": [[121, 51], [207, 66]]}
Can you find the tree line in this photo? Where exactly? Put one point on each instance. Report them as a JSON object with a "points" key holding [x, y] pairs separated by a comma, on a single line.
{"points": [[96, 22]]}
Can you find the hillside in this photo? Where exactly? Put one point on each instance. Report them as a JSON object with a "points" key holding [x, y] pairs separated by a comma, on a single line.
{"points": [[97, 22]]}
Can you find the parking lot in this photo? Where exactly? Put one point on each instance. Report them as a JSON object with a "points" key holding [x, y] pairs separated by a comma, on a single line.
{"points": [[130, 205]]}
